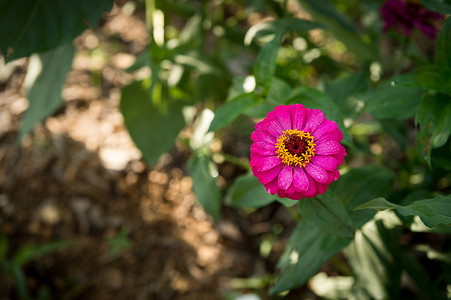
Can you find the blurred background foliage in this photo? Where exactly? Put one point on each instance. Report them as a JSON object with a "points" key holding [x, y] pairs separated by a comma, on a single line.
{"points": [[212, 68]]}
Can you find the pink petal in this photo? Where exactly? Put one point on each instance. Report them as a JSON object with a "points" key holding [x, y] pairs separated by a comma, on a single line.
{"points": [[255, 158], [300, 180], [317, 173], [270, 126], [298, 116], [314, 120], [340, 156], [272, 187], [267, 163], [285, 177], [328, 148], [268, 176], [312, 191], [328, 163], [263, 149], [326, 127], [334, 135], [283, 116], [260, 136], [321, 187]]}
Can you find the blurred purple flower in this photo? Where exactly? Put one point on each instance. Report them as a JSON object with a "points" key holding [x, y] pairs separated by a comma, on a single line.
{"points": [[406, 15]]}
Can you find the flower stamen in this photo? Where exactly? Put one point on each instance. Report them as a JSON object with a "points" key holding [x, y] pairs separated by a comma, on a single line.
{"points": [[295, 147]]}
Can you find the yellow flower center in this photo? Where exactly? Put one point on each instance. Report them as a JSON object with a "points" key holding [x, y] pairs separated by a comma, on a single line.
{"points": [[295, 147]]}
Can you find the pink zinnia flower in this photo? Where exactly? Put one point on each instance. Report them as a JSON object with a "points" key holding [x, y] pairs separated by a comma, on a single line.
{"points": [[406, 15], [296, 152]]}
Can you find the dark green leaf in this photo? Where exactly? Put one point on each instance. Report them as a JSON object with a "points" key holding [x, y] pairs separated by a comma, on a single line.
{"points": [[443, 46], [313, 98], [279, 91], [419, 274], [432, 116], [153, 122], [432, 211], [328, 213], [346, 93], [440, 6], [232, 109], [308, 249], [247, 191], [434, 77], [30, 252], [360, 185], [300, 25], [372, 256], [393, 101], [28, 26], [341, 26], [265, 66], [44, 95], [204, 173]]}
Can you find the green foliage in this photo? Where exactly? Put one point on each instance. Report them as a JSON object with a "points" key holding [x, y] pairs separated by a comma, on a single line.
{"points": [[432, 211], [153, 124], [227, 73], [204, 173], [46, 76], [28, 26]]}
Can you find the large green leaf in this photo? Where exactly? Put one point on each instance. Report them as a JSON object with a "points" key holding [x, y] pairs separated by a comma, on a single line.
{"points": [[443, 46], [432, 211], [341, 26], [373, 257], [153, 122], [441, 6], [432, 116], [230, 110], [204, 173], [328, 213], [313, 98], [265, 66], [433, 77], [394, 101], [247, 191], [347, 93], [46, 75], [308, 249], [360, 185], [28, 26]]}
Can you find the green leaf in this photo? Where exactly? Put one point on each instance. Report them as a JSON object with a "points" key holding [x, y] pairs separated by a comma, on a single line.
{"points": [[426, 287], [30, 252], [28, 26], [46, 76], [265, 66], [347, 93], [373, 258], [360, 185], [312, 98], [440, 6], [443, 46], [432, 211], [247, 191], [204, 173], [153, 122], [340, 26], [393, 101], [230, 110], [328, 213], [308, 249], [279, 91], [433, 77], [432, 116]]}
